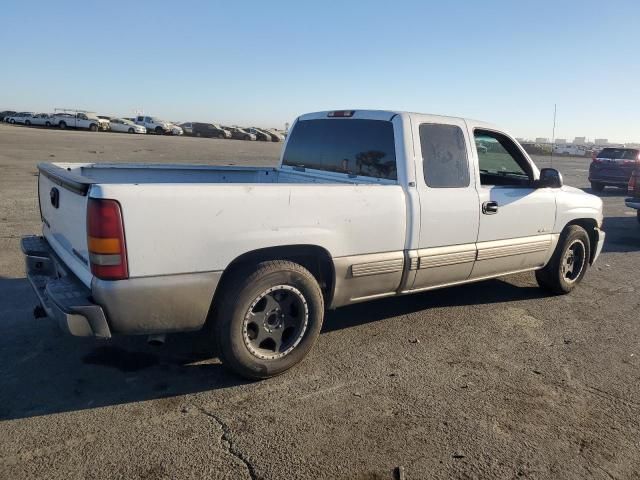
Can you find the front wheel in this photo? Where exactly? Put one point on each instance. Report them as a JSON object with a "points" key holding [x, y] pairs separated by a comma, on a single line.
{"points": [[62, 125], [159, 131], [221, 135], [47, 124], [569, 262], [267, 319], [93, 127], [27, 123], [597, 187], [130, 130]]}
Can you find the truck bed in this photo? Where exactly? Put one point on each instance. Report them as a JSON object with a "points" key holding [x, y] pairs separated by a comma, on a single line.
{"points": [[194, 218], [133, 173]]}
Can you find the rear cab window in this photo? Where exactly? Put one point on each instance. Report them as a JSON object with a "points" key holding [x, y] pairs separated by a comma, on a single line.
{"points": [[352, 146]]}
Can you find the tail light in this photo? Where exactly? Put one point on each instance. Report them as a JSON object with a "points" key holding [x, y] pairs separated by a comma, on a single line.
{"points": [[107, 247], [594, 157]]}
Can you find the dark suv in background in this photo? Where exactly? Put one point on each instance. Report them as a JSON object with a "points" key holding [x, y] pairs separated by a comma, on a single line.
{"points": [[209, 130], [634, 190], [613, 166]]}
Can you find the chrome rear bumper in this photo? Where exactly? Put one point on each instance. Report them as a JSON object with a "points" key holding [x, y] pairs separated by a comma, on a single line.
{"points": [[62, 296]]}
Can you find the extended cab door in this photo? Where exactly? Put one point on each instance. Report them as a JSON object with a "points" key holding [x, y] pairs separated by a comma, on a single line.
{"points": [[449, 207], [516, 220]]}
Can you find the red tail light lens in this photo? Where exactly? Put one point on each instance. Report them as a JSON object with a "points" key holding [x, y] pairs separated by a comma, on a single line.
{"points": [[633, 181], [107, 247]]}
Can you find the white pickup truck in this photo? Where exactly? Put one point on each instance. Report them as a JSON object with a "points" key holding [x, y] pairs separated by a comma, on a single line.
{"points": [[79, 119], [364, 205]]}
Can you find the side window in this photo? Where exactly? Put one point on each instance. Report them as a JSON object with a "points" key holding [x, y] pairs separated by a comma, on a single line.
{"points": [[139, 119], [444, 156], [500, 160]]}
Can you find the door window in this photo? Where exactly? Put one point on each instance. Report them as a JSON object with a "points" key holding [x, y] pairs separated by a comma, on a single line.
{"points": [[444, 156], [500, 160]]}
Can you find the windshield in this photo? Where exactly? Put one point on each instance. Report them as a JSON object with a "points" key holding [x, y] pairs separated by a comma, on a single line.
{"points": [[358, 147]]}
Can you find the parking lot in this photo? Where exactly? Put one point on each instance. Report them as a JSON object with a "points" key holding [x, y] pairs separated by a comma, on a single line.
{"points": [[494, 379]]}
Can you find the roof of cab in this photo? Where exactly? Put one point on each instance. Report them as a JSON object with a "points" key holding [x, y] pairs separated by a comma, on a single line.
{"points": [[389, 114]]}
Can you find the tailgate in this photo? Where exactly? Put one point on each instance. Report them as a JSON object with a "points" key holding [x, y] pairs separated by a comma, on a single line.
{"points": [[63, 197]]}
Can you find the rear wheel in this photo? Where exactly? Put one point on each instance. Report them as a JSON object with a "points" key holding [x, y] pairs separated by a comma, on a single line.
{"points": [[130, 130], [597, 186], [267, 319], [47, 124], [27, 123], [221, 135], [569, 262], [198, 134], [159, 131], [12, 121], [62, 125]]}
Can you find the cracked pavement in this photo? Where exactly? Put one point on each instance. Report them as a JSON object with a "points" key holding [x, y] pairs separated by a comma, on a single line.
{"points": [[496, 379]]}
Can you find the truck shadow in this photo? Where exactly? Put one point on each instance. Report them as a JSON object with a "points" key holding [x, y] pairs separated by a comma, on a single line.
{"points": [[623, 234], [485, 292], [43, 371]]}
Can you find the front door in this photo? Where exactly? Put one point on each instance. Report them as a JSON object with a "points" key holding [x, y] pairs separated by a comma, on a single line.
{"points": [[516, 220], [449, 208]]}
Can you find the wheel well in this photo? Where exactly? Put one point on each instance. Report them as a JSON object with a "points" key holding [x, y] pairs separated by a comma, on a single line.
{"points": [[590, 226], [315, 259]]}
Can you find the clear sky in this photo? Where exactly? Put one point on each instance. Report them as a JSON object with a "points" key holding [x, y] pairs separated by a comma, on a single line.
{"points": [[265, 62]]}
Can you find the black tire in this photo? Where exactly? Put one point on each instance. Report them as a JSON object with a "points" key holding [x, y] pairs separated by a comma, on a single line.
{"points": [[221, 135], [47, 124], [555, 276], [12, 121], [198, 134], [27, 123], [247, 137], [62, 125], [235, 318], [597, 186], [93, 127], [159, 131], [130, 130]]}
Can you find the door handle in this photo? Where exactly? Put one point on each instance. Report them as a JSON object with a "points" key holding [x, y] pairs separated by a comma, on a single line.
{"points": [[490, 208]]}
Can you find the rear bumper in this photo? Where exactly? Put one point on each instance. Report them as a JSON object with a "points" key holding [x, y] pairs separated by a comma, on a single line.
{"points": [[63, 297], [632, 203], [147, 305]]}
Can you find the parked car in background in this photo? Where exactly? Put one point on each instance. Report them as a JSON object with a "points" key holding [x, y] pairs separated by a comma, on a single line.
{"points": [[187, 127], [613, 167], [275, 135], [19, 117], [238, 133], [5, 114], [175, 129], [260, 134], [209, 130], [570, 150], [66, 118], [258, 253], [126, 126], [634, 190], [40, 119], [153, 124]]}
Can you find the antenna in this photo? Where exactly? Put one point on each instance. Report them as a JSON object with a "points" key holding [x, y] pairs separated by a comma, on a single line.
{"points": [[553, 133]]}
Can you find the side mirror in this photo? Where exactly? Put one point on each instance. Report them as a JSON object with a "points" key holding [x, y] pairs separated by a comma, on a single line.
{"points": [[550, 178]]}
